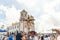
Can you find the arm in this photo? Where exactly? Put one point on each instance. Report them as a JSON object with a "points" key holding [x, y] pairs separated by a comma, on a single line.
{"points": [[56, 30]]}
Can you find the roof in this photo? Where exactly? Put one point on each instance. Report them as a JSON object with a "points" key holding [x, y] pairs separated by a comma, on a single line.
{"points": [[3, 30], [23, 11], [16, 23]]}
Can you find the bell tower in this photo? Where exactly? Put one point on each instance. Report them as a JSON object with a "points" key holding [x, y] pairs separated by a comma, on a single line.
{"points": [[23, 15], [23, 18]]}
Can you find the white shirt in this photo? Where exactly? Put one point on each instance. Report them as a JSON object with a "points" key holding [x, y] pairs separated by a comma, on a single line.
{"points": [[58, 38], [47, 38], [34, 38]]}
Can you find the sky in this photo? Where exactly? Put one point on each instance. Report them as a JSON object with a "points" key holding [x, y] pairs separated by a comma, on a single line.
{"points": [[45, 12]]}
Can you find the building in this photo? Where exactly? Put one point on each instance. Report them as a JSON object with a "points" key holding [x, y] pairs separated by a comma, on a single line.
{"points": [[26, 23], [13, 28]]}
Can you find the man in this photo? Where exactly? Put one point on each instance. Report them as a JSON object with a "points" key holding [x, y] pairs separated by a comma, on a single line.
{"points": [[12, 37], [19, 35], [46, 37], [5, 37], [42, 37], [32, 36], [58, 33]]}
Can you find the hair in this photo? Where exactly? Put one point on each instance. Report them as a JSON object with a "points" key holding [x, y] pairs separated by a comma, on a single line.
{"points": [[33, 32], [12, 33]]}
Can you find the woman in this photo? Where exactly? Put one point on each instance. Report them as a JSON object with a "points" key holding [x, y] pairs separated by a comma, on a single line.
{"points": [[58, 33], [5, 37], [25, 37]]}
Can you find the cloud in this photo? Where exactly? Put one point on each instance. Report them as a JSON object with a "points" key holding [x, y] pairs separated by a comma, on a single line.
{"points": [[46, 13], [10, 3], [2, 15], [57, 8], [12, 15], [29, 3]]}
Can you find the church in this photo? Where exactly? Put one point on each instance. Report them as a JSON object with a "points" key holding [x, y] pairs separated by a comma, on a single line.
{"points": [[26, 23]]}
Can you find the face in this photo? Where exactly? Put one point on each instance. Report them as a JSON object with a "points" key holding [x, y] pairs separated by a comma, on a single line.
{"points": [[38, 37], [25, 37], [32, 34], [13, 34], [22, 33]]}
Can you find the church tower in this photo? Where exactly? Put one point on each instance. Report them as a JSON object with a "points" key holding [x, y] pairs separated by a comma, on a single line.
{"points": [[23, 15], [31, 19], [23, 18]]}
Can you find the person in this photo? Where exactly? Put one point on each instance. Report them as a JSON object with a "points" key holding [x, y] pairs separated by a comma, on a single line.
{"points": [[25, 37], [46, 37], [39, 38], [32, 36], [12, 37], [5, 37], [58, 36], [58, 33], [55, 38], [19, 35], [1, 38], [42, 37]]}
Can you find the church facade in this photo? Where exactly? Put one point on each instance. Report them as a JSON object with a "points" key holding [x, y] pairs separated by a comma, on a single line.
{"points": [[26, 23]]}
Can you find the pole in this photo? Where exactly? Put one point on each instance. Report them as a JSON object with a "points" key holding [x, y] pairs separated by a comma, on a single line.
{"points": [[23, 26]]}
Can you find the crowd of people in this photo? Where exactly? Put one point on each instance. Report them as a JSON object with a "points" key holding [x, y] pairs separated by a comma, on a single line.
{"points": [[32, 35]]}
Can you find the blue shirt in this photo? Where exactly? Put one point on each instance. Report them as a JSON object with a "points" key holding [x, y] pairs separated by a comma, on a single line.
{"points": [[10, 38]]}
